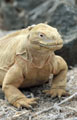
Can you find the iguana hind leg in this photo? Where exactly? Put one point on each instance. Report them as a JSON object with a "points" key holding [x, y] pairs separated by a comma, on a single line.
{"points": [[12, 81]]}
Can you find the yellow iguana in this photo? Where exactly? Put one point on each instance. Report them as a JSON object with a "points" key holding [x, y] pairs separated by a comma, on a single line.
{"points": [[27, 59]]}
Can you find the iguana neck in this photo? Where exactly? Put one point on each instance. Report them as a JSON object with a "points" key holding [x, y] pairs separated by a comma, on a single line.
{"points": [[39, 59]]}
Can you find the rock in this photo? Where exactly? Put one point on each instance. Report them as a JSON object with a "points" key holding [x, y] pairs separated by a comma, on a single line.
{"points": [[12, 17], [62, 14], [69, 50]]}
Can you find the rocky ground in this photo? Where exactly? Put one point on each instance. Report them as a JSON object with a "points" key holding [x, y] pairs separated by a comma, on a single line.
{"points": [[47, 108]]}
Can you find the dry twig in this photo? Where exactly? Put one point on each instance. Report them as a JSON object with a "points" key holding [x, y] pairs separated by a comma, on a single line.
{"points": [[19, 114], [50, 108], [71, 108]]}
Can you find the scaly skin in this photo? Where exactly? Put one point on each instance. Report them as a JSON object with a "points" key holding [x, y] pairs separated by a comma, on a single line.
{"points": [[27, 59]]}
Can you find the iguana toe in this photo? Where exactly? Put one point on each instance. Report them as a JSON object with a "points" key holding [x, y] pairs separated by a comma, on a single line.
{"points": [[56, 92], [25, 102]]}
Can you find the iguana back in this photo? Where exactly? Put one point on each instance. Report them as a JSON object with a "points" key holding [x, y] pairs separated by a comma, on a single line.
{"points": [[9, 45]]}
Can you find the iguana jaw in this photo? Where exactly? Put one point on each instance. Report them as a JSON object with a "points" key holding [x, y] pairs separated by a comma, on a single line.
{"points": [[50, 45]]}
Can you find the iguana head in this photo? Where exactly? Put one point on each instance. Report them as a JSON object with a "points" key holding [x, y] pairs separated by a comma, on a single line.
{"points": [[45, 37]]}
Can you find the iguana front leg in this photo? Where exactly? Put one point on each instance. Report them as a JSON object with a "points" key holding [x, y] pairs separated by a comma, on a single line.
{"points": [[59, 80], [12, 81]]}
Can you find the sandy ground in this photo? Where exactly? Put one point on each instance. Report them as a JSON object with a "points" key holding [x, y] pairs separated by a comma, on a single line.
{"points": [[66, 111]]}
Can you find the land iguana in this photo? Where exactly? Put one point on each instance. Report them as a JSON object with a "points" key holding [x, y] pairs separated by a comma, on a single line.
{"points": [[27, 59]]}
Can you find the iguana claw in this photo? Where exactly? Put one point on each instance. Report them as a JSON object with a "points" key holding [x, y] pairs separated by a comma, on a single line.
{"points": [[25, 102], [56, 92]]}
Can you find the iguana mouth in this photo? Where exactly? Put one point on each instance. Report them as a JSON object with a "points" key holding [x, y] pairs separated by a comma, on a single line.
{"points": [[48, 45], [51, 45]]}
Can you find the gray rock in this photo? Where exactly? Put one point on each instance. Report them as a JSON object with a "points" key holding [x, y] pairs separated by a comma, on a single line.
{"points": [[60, 14], [12, 17], [69, 50]]}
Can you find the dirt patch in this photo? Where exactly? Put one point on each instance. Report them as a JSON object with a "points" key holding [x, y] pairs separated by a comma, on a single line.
{"points": [[66, 111]]}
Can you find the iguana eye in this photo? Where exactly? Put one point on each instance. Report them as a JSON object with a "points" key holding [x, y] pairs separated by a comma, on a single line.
{"points": [[41, 35]]}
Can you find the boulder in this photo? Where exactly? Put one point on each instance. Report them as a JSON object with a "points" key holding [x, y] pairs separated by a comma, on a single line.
{"points": [[69, 50], [11, 16], [58, 13]]}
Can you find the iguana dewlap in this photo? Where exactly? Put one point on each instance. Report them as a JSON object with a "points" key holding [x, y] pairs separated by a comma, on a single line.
{"points": [[27, 59]]}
